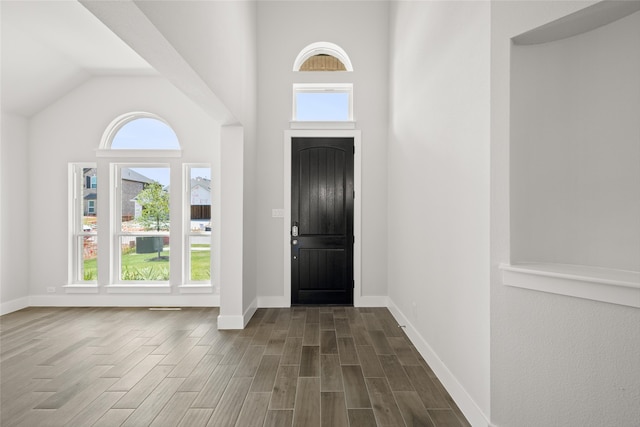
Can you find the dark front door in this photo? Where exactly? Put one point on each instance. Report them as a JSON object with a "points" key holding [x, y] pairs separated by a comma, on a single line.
{"points": [[322, 195]]}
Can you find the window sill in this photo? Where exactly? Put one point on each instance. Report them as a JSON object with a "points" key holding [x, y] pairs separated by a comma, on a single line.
{"points": [[81, 288], [598, 284], [196, 288], [139, 289], [322, 125]]}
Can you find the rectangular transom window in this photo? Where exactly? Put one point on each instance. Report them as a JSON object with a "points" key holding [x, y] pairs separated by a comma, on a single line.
{"points": [[323, 102]]}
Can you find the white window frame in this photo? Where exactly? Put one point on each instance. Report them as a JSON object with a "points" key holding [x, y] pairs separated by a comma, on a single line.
{"points": [[91, 206], [76, 232], [202, 285], [116, 217], [322, 88]]}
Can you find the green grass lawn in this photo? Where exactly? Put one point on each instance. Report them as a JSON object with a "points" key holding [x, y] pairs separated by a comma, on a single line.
{"points": [[148, 267]]}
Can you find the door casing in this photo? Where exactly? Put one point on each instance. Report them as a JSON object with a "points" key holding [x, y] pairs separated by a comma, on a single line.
{"points": [[357, 207]]}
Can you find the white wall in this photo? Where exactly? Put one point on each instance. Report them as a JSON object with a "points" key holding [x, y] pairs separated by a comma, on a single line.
{"points": [[575, 149], [284, 29], [15, 227], [439, 190], [218, 39], [70, 131], [555, 360]]}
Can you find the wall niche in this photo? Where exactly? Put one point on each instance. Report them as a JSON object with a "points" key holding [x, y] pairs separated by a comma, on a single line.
{"points": [[575, 155]]}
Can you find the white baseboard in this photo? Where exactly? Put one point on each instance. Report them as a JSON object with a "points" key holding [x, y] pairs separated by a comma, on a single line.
{"points": [[465, 402], [274, 302], [14, 305], [125, 300], [236, 321], [371, 301]]}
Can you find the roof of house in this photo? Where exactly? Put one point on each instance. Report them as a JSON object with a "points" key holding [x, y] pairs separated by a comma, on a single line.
{"points": [[131, 175]]}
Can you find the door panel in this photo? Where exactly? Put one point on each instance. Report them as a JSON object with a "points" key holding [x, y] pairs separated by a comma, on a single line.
{"points": [[322, 209]]}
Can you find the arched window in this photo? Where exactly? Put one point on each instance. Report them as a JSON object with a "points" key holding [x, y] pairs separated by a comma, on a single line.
{"points": [[322, 56], [140, 131]]}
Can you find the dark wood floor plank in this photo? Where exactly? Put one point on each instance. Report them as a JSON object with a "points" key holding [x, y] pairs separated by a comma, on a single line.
{"points": [[201, 373], [328, 342], [347, 351], [276, 342], [279, 418], [307, 407], [444, 418], [266, 374], [403, 350], [398, 380], [151, 407], [213, 389], [311, 334], [355, 387], [228, 409], [250, 361], [342, 327], [412, 409], [284, 389], [330, 373], [380, 343], [188, 363], [174, 410], [113, 417], [254, 410], [313, 315], [142, 369], [427, 390], [369, 361], [291, 352], [361, 418], [196, 417], [326, 321], [310, 361], [383, 402], [333, 410], [123, 366], [296, 329]]}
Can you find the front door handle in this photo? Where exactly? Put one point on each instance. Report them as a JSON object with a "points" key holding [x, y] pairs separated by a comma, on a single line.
{"points": [[294, 231]]}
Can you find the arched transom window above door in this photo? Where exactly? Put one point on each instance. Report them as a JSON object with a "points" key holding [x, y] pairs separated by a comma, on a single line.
{"points": [[322, 56]]}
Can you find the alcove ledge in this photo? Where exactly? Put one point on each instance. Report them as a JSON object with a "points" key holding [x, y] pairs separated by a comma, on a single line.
{"points": [[594, 283]]}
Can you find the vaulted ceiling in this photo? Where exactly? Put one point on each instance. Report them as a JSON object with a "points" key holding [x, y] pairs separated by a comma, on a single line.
{"points": [[50, 47]]}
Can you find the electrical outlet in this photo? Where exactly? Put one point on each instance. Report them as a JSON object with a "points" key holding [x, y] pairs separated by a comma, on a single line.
{"points": [[51, 289]]}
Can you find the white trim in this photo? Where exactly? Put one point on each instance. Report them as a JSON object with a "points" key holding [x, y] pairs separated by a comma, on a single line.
{"points": [[196, 289], [236, 321], [117, 124], [249, 312], [322, 125], [138, 289], [357, 206], [274, 302], [598, 284], [79, 288], [14, 305], [325, 48], [129, 300], [465, 402], [130, 154], [372, 301]]}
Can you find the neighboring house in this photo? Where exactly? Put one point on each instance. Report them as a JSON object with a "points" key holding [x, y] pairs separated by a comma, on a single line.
{"points": [[90, 191], [200, 198], [132, 183]]}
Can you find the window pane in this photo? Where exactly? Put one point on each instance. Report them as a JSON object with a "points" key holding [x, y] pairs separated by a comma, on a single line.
{"points": [[322, 106], [200, 247], [89, 200], [145, 134], [144, 199], [200, 199], [144, 258], [89, 264]]}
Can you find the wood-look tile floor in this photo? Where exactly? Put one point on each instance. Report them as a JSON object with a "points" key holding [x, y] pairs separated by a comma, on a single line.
{"points": [[304, 366]]}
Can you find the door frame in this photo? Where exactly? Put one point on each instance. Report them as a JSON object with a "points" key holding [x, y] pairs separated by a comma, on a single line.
{"points": [[357, 205]]}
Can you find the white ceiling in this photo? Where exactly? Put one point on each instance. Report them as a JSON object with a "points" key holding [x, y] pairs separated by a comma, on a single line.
{"points": [[51, 47]]}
